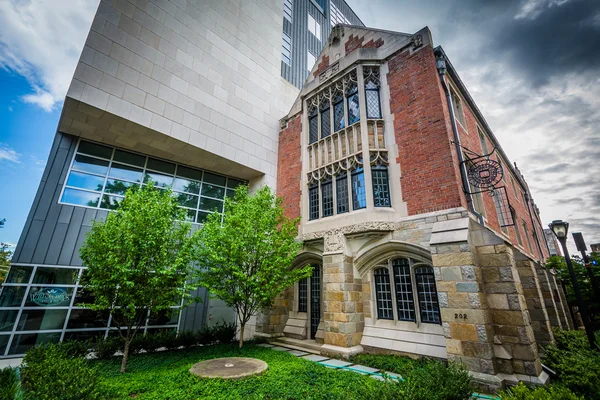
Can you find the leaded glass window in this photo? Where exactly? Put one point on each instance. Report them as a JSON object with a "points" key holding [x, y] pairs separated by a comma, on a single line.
{"points": [[359, 198], [325, 118], [327, 198], [342, 193], [428, 300], [353, 106], [303, 295], [313, 125], [404, 291], [338, 112], [381, 187], [372, 92], [313, 203], [383, 294]]}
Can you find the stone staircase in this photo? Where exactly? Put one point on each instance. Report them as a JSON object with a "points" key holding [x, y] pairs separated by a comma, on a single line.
{"points": [[309, 346]]}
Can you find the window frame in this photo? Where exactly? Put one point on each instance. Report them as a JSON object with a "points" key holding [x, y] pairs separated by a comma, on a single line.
{"points": [[309, 65], [289, 51], [314, 27], [413, 265], [459, 111]]}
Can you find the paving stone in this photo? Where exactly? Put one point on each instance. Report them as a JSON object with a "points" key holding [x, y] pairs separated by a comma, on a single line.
{"points": [[279, 348], [335, 363], [314, 357], [298, 353], [362, 368], [265, 345]]}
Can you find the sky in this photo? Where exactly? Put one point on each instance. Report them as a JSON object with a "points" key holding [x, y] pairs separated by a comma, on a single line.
{"points": [[530, 65]]}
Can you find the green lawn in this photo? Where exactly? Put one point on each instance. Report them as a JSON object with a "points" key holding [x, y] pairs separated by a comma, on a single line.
{"points": [[165, 376]]}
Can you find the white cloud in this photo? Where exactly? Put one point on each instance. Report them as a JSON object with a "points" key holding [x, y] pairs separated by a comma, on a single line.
{"points": [[42, 40], [8, 154]]}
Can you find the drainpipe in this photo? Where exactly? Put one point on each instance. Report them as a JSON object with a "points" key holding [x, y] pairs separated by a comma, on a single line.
{"points": [[441, 67]]}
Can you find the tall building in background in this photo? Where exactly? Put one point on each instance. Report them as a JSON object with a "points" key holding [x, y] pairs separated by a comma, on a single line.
{"points": [[175, 91]]}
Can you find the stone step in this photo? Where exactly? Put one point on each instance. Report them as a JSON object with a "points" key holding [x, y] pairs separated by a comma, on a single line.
{"points": [[309, 346]]}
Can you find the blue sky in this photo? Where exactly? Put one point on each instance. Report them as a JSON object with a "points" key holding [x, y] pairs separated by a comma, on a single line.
{"points": [[26, 133], [530, 65]]}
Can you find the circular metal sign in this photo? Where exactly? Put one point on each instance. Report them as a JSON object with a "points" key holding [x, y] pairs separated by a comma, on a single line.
{"points": [[484, 173]]}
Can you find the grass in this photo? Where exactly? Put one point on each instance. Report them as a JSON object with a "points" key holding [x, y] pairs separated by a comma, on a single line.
{"points": [[165, 376]]}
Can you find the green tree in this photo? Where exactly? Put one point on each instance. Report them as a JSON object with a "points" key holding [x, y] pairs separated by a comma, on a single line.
{"points": [[558, 263], [5, 257], [246, 260], [139, 260]]}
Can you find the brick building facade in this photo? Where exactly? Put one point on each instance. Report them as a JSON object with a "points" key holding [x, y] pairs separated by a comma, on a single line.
{"points": [[407, 256]]}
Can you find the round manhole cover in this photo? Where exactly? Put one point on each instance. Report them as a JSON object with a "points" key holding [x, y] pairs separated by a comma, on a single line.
{"points": [[229, 368]]}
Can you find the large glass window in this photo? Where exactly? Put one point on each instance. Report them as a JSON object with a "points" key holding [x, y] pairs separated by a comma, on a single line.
{"points": [[286, 49], [303, 295], [359, 199], [7, 320], [101, 175], [39, 320], [288, 9], [372, 92], [381, 187], [310, 61], [12, 296], [19, 274], [314, 27]]}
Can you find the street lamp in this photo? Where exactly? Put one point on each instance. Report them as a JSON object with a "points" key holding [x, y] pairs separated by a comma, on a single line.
{"points": [[560, 230]]}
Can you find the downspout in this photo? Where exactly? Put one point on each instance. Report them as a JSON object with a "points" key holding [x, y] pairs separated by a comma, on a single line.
{"points": [[441, 67]]}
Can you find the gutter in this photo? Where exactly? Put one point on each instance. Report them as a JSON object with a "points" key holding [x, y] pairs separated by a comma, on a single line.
{"points": [[441, 67]]}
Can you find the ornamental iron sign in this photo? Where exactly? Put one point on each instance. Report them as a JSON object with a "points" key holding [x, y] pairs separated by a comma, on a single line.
{"points": [[49, 297], [484, 173]]}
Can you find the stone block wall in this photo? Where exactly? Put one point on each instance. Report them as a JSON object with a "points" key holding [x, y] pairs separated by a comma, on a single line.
{"points": [[535, 301]]}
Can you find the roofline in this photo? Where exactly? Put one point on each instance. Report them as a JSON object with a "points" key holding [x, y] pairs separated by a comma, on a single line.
{"points": [[479, 115]]}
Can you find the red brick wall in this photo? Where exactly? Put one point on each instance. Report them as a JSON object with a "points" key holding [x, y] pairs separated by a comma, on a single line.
{"points": [[469, 138], [356, 42], [289, 169], [430, 177]]}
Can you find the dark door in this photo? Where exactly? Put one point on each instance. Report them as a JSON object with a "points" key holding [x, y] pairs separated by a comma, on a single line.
{"points": [[315, 300]]}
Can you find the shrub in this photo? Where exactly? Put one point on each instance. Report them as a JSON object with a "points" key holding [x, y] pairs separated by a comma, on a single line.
{"points": [[49, 372], [577, 366], [551, 392], [422, 379], [106, 348], [225, 333], [186, 339], [76, 348], [10, 384], [206, 336]]}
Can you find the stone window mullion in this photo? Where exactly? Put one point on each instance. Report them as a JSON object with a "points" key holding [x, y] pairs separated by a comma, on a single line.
{"points": [[393, 288], [416, 303]]}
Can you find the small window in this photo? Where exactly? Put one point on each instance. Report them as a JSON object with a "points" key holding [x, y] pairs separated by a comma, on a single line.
{"points": [[458, 109], [503, 209], [314, 27], [303, 295], [381, 187], [325, 118], [288, 9], [483, 142], [517, 231], [338, 112], [404, 291], [372, 93], [313, 125], [286, 49], [327, 198], [383, 294], [310, 61], [313, 203], [428, 300], [526, 232], [359, 199], [342, 194], [353, 106], [514, 188], [478, 204]]}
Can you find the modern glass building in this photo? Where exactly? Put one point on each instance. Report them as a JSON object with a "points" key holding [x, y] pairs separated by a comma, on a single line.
{"points": [[186, 94]]}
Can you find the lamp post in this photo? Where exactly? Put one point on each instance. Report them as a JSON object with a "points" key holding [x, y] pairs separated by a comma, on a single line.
{"points": [[560, 230]]}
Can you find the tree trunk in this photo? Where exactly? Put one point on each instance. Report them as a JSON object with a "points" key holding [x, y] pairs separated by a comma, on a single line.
{"points": [[125, 356], [242, 326]]}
